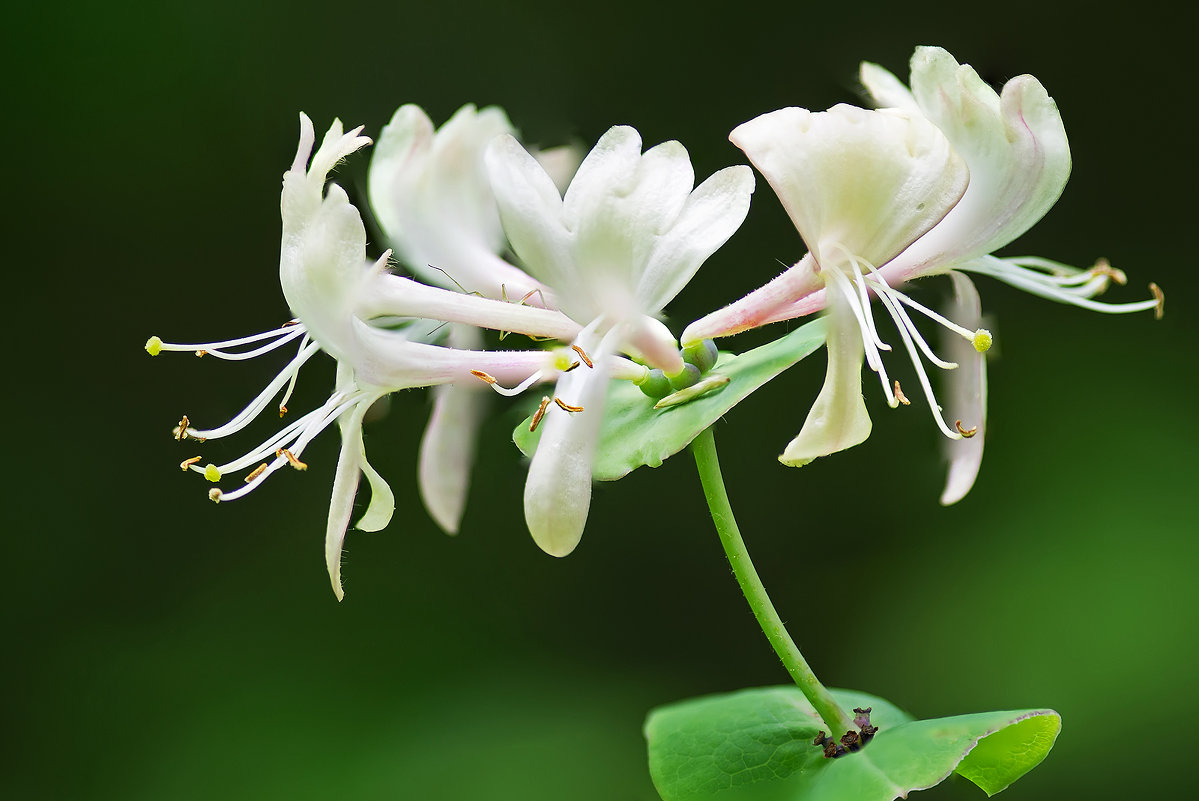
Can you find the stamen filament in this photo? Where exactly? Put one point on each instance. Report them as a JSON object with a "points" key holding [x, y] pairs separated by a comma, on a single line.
{"points": [[259, 403], [287, 329], [294, 332], [1012, 272]]}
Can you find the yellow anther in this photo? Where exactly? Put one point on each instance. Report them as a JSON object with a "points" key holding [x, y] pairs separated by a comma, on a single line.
{"points": [[186, 463], [982, 340], [282, 410], [899, 396], [540, 413], [290, 322], [201, 353], [566, 407], [966, 433], [583, 355], [259, 470], [1160, 297], [211, 473], [1104, 267], [180, 431], [214, 495], [572, 366], [291, 459], [486, 378], [153, 346]]}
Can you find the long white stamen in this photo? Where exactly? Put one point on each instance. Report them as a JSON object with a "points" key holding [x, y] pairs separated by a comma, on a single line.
{"points": [[857, 273], [505, 391], [250, 354], [314, 423], [864, 295], [1013, 272], [873, 358], [291, 385], [259, 403], [287, 330], [901, 317], [935, 317], [920, 371]]}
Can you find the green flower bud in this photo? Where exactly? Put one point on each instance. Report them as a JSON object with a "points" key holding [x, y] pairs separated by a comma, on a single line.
{"points": [[702, 354], [655, 384]]}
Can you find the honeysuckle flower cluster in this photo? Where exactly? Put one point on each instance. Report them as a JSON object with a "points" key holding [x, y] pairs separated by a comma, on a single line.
{"points": [[932, 182]]}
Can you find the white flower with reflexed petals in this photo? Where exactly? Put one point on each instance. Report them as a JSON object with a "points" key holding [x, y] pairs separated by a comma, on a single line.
{"points": [[930, 184], [432, 198], [375, 324], [630, 232]]}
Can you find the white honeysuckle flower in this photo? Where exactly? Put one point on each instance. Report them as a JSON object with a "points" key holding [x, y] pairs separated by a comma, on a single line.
{"points": [[630, 232], [933, 182], [376, 325], [433, 201]]}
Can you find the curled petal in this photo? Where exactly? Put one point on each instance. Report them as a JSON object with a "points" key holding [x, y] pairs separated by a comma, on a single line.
{"points": [[345, 485], [322, 260], [447, 450], [859, 182], [1015, 146], [558, 488], [967, 393], [383, 502], [838, 419]]}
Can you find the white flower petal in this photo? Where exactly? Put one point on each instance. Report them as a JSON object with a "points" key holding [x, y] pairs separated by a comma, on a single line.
{"points": [[712, 214], [1015, 146], [838, 419], [447, 449], [393, 296], [967, 392], [558, 487], [619, 223], [608, 169], [887, 90], [866, 182], [531, 210], [341, 503], [433, 200], [383, 502], [322, 267]]}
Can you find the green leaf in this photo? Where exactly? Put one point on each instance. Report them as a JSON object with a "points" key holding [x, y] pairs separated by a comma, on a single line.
{"points": [[756, 745], [634, 433]]}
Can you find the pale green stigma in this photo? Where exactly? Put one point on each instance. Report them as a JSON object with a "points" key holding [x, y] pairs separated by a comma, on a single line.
{"points": [[982, 340], [211, 473], [153, 346]]}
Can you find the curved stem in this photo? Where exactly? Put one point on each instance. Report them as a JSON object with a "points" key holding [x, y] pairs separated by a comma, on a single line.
{"points": [[834, 717]]}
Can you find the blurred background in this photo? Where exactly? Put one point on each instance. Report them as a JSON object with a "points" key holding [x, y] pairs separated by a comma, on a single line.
{"points": [[161, 647]]}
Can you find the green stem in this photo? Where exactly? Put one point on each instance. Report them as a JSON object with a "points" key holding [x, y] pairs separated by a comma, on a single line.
{"points": [[834, 717]]}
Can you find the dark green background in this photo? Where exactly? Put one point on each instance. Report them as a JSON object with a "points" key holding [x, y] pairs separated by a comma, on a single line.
{"points": [[160, 647]]}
